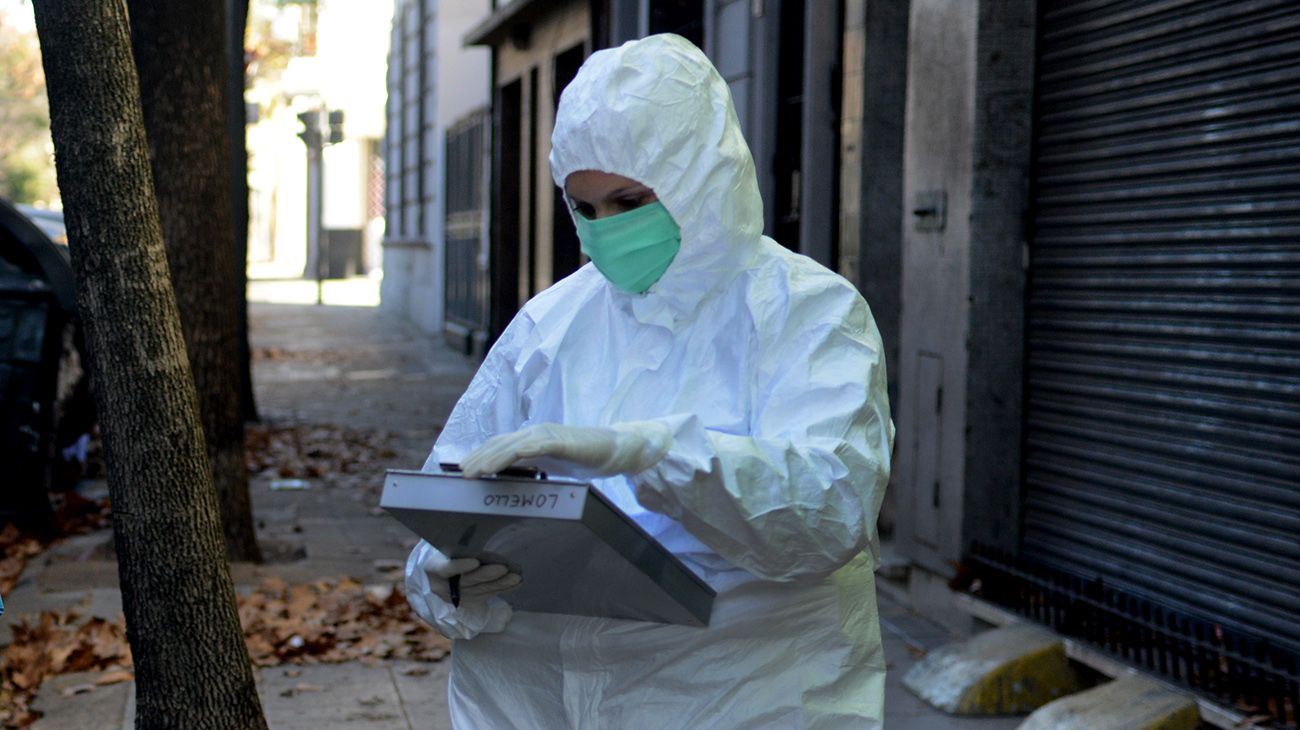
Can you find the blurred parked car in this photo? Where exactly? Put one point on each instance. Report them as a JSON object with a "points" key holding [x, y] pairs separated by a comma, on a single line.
{"points": [[46, 409], [49, 221]]}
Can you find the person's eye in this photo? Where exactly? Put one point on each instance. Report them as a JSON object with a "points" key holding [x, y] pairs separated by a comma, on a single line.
{"points": [[632, 202], [585, 210]]}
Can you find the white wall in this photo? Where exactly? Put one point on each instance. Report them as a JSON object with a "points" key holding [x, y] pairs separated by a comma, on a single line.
{"points": [[345, 172], [277, 182], [462, 73], [352, 41], [352, 44]]}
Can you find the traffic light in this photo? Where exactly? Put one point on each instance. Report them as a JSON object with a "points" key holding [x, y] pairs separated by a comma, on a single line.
{"points": [[336, 126], [311, 132]]}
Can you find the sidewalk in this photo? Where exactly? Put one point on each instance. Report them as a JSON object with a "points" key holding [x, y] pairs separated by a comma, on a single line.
{"points": [[356, 367]]}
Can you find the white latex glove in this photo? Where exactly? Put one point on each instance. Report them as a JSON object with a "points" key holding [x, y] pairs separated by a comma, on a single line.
{"points": [[429, 592], [624, 448]]}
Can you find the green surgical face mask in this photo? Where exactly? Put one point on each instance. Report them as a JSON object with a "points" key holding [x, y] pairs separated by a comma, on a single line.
{"points": [[631, 249]]}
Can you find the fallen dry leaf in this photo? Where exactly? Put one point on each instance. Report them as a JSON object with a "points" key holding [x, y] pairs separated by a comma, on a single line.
{"points": [[55, 643], [74, 515], [340, 457], [326, 621], [315, 357]]}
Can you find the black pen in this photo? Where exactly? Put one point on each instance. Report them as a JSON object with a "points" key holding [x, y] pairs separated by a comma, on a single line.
{"points": [[453, 584]]}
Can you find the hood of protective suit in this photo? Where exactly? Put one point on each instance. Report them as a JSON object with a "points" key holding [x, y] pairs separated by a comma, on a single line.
{"points": [[656, 110]]}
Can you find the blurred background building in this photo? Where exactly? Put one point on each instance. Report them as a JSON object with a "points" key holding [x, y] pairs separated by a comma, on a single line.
{"points": [[306, 57]]}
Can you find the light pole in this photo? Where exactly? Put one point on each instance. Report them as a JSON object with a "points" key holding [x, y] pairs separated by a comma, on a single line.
{"points": [[314, 138]]}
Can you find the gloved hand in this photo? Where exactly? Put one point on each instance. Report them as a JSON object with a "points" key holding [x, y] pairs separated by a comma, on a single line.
{"points": [[476, 581], [624, 448], [429, 592]]}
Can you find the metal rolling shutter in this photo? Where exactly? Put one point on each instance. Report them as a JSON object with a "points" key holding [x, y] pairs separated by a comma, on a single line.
{"points": [[1163, 378]]}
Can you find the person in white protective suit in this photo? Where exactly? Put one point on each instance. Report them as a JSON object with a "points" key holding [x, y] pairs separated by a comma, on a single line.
{"points": [[727, 394]]}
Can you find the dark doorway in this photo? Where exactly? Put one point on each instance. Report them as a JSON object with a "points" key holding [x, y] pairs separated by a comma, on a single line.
{"points": [[505, 206], [787, 161], [528, 285], [683, 17], [566, 255]]}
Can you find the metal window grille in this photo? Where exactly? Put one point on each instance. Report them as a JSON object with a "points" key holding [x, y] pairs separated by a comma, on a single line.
{"points": [[466, 284]]}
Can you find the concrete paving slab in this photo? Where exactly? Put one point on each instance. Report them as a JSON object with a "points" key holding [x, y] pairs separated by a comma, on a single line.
{"points": [[945, 722], [914, 628], [88, 546], [28, 603], [331, 695], [393, 695], [423, 689], [425, 378], [78, 575], [74, 702], [105, 603], [901, 652], [887, 605]]}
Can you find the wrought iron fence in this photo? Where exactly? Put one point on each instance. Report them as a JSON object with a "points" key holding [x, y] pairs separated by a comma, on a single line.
{"points": [[466, 280]]}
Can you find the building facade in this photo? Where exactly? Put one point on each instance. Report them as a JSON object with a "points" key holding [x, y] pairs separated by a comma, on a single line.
{"points": [[781, 60], [1078, 227], [1099, 340], [536, 48]]}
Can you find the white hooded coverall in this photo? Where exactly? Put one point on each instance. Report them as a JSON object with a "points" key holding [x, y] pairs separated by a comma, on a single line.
{"points": [[767, 368]]}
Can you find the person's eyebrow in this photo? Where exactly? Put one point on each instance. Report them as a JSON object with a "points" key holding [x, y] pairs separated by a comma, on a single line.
{"points": [[627, 189]]}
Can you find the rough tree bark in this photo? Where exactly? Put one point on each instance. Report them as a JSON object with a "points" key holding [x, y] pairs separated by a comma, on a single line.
{"points": [[236, 28], [180, 53], [192, 668]]}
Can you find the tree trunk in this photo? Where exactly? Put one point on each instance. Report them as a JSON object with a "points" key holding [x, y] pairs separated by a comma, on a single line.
{"points": [[192, 668], [180, 53], [236, 28]]}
